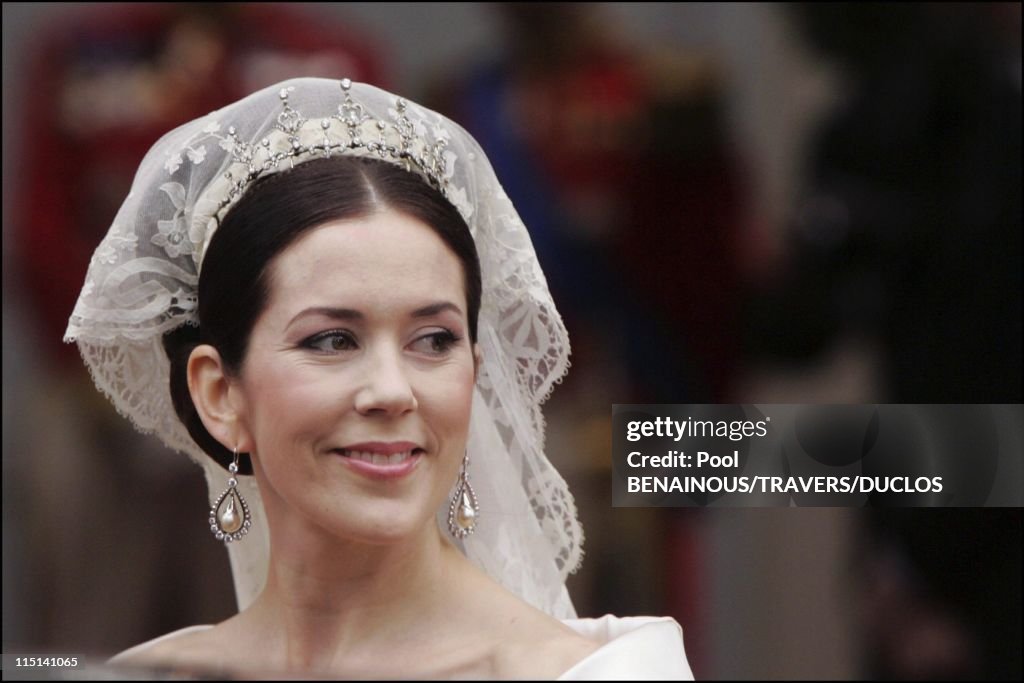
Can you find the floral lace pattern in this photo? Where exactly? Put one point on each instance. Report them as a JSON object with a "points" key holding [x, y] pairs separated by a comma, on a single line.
{"points": [[142, 281]]}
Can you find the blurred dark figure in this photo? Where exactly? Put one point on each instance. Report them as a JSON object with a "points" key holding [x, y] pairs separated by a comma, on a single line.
{"points": [[910, 233], [940, 593], [102, 86]]}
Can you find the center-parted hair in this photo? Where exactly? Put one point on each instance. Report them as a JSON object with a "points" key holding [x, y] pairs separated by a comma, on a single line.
{"points": [[275, 212]]}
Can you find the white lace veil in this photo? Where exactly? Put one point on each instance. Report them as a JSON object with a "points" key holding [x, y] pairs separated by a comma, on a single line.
{"points": [[142, 283]]}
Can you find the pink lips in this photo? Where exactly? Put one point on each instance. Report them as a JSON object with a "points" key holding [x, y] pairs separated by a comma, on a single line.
{"points": [[357, 457]]}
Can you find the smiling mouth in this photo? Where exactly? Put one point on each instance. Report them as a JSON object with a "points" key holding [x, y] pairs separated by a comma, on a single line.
{"points": [[379, 458]]}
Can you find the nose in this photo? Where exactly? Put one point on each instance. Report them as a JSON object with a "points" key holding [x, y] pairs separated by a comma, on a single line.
{"points": [[386, 389]]}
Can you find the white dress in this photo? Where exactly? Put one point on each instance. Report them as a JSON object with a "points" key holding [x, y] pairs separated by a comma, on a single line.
{"points": [[637, 648]]}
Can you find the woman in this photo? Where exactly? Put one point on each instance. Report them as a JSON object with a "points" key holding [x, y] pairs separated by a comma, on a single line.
{"points": [[325, 287]]}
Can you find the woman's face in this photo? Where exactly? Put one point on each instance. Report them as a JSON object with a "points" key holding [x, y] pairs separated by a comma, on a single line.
{"points": [[357, 385]]}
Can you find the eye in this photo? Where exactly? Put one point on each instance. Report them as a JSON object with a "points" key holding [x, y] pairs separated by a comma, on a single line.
{"points": [[331, 341], [436, 343]]}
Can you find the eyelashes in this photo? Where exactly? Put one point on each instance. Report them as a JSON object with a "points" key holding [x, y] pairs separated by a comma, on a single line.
{"points": [[330, 341], [436, 343]]}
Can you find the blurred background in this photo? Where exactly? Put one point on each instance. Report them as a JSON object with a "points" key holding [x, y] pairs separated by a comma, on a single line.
{"points": [[756, 203]]}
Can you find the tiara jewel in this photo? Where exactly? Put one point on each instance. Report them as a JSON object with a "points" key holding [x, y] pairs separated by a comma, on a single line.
{"points": [[397, 139]]}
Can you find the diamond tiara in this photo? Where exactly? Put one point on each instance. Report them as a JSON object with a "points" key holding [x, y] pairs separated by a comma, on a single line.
{"points": [[426, 158], [398, 139]]}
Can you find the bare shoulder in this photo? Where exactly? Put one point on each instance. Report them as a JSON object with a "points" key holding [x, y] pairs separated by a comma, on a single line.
{"points": [[539, 646], [189, 648], [520, 641]]}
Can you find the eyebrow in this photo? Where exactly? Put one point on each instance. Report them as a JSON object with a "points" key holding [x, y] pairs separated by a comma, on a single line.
{"points": [[351, 314]]}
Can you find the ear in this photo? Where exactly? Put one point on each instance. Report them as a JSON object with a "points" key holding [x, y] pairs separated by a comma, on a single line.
{"points": [[478, 358], [218, 399]]}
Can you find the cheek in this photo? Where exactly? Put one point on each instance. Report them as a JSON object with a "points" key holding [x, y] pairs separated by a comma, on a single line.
{"points": [[290, 399], [448, 402]]}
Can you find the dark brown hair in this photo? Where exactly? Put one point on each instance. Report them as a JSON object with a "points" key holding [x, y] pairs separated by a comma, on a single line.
{"points": [[273, 214]]}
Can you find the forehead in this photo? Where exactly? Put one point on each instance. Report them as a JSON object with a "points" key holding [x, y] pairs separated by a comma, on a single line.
{"points": [[387, 259]]}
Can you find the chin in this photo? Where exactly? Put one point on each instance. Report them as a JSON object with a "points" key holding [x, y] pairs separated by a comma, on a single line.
{"points": [[386, 527]]}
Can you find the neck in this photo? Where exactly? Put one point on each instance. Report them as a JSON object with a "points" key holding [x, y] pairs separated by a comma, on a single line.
{"points": [[328, 602]]}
